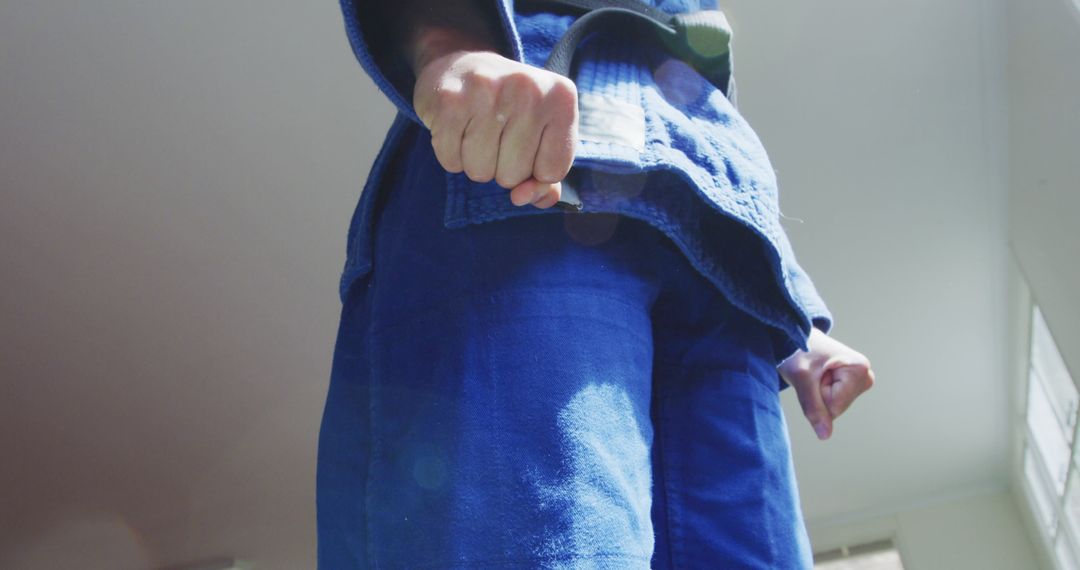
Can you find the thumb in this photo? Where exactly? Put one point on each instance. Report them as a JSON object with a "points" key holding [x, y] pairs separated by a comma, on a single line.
{"points": [[533, 190]]}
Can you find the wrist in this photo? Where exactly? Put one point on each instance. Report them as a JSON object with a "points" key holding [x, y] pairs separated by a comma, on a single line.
{"points": [[796, 361], [431, 42], [803, 360]]}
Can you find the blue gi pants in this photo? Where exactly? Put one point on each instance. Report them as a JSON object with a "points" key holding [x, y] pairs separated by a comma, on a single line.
{"points": [[547, 391]]}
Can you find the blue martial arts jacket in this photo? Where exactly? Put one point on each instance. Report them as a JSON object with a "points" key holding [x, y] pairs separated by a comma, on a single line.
{"points": [[666, 146]]}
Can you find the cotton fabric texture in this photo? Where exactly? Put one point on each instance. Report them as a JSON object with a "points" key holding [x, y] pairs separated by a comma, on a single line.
{"points": [[554, 392], [700, 174], [524, 388]]}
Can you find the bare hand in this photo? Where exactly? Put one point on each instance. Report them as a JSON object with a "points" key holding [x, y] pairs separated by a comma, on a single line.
{"points": [[827, 379], [496, 118]]}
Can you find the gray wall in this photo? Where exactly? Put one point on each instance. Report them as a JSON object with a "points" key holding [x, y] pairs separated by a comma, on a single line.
{"points": [[177, 178]]}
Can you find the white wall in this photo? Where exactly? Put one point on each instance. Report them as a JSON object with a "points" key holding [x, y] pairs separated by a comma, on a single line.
{"points": [[886, 124]]}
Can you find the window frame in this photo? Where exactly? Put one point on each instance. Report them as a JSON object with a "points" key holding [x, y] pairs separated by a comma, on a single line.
{"points": [[1058, 535]]}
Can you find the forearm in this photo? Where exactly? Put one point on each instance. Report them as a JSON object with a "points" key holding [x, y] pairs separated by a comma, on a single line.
{"points": [[423, 30]]}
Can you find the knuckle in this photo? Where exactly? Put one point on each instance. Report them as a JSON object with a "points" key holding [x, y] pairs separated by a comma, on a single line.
{"points": [[448, 100], [480, 81], [521, 89], [564, 91]]}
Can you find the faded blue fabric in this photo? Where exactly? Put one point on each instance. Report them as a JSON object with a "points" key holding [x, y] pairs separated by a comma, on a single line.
{"points": [[559, 391], [703, 177]]}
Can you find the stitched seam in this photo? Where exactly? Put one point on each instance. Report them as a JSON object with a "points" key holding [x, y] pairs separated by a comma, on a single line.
{"points": [[659, 440], [672, 498]]}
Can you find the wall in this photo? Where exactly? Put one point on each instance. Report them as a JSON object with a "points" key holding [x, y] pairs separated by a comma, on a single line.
{"points": [[981, 530], [177, 178], [1044, 193], [886, 124], [1044, 187]]}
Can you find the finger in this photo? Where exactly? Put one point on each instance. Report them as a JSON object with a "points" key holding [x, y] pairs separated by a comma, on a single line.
{"points": [[813, 406], [555, 155], [529, 191], [421, 104], [480, 147], [431, 93], [517, 150], [446, 134], [551, 198]]}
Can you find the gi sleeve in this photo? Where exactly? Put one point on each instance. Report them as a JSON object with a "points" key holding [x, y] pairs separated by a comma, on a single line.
{"points": [[377, 30], [803, 289]]}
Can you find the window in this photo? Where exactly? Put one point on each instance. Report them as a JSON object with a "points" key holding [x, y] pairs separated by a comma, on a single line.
{"points": [[1051, 462], [877, 555]]}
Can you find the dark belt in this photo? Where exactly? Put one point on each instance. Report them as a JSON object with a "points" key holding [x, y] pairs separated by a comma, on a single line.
{"points": [[702, 39]]}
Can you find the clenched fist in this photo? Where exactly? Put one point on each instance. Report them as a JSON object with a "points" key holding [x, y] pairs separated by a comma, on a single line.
{"points": [[827, 379], [499, 119]]}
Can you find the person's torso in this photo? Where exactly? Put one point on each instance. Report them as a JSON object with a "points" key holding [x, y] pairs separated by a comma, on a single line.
{"points": [[656, 142]]}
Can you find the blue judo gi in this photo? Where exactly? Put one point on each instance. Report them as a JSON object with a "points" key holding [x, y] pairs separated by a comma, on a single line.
{"points": [[524, 388]]}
